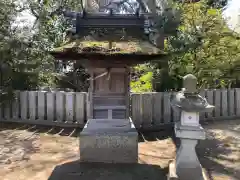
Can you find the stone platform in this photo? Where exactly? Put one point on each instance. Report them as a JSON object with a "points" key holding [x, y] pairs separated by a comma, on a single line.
{"points": [[109, 141]]}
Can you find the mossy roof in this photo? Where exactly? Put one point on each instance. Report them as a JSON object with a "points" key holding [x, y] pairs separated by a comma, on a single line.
{"points": [[102, 47]]}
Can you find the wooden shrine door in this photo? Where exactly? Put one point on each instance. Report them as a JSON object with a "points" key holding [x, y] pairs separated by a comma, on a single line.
{"points": [[110, 93]]}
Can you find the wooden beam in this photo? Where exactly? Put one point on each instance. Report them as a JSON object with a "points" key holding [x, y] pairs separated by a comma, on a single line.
{"points": [[128, 59], [106, 21], [90, 93], [109, 107], [112, 70]]}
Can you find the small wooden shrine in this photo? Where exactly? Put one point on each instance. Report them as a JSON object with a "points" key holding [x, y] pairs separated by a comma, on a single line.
{"points": [[107, 45], [109, 70]]}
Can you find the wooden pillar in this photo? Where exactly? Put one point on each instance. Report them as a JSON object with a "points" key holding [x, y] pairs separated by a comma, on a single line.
{"points": [[90, 94], [127, 91]]}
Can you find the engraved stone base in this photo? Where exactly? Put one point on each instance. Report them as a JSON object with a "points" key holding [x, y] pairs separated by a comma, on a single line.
{"points": [[109, 141], [189, 132], [190, 175]]}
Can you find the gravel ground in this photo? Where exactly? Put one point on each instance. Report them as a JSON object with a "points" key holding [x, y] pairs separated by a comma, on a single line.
{"points": [[40, 153]]}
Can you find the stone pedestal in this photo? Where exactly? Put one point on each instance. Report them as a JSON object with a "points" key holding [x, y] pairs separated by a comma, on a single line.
{"points": [[186, 166], [109, 141]]}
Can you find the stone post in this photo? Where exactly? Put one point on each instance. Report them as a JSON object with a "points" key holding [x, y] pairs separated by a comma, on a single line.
{"points": [[186, 165]]}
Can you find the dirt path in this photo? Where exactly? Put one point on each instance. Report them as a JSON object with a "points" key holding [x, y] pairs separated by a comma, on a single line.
{"points": [[33, 154], [220, 152]]}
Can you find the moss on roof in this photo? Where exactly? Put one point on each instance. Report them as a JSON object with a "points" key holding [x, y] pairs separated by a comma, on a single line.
{"points": [[103, 47]]}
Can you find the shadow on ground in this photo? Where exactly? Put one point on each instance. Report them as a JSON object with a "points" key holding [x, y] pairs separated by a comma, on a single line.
{"points": [[15, 146], [74, 132], [144, 136], [36, 129], [100, 171], [220, 156]]}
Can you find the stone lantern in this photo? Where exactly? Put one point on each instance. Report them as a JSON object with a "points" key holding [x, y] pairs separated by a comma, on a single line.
{"points": [[186, 165]]}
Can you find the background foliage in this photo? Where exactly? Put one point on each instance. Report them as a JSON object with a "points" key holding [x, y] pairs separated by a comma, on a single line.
{"points": [[202, 45], [197, 40]]}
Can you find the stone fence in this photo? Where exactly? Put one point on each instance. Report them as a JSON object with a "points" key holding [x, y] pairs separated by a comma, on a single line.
{"points": [[148, 110]]}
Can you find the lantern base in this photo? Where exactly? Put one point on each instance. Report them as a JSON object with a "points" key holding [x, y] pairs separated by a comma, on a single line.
{"points": [[189, 132], [172, 174]]}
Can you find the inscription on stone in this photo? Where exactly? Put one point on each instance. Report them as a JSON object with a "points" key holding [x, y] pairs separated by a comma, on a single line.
{"points": [[112, 141]]}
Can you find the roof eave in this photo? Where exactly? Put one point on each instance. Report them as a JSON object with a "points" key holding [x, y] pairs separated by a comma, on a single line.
{"points": [[100, 56]]}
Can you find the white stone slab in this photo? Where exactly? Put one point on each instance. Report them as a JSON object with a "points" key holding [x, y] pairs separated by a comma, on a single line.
{"points": [[32, 105], [41, 105], [189, 118], [60, 106], [24, 104], [69, 107], [50, 106]]}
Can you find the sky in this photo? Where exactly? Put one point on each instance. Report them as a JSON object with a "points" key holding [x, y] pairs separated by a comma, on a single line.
{"points": [[25, 18], [231, 14]]}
